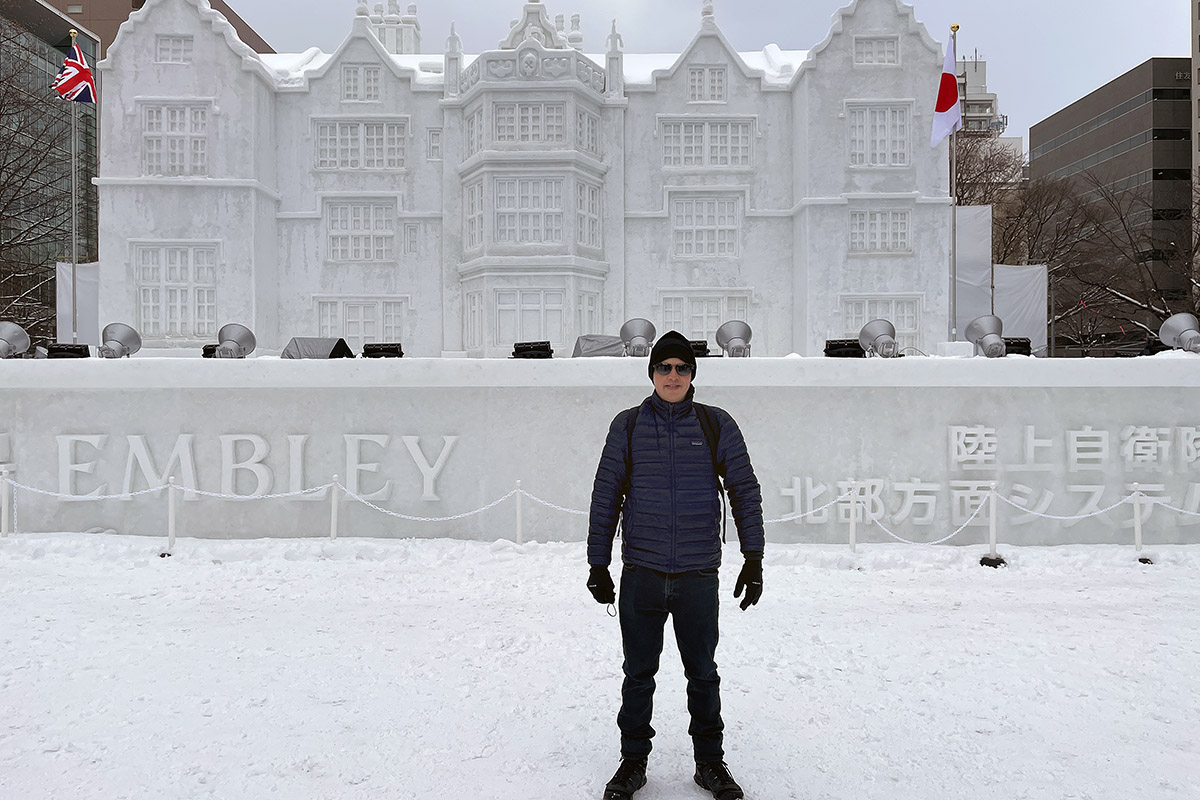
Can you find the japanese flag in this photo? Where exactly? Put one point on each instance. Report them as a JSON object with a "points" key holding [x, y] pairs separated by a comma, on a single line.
{"points": [[947, 115]]}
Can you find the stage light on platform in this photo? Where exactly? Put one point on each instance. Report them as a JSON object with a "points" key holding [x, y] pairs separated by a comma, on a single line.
{"points": [[13, 340], [843, 348], [120, 341], [236, 341], [65, 350], [383, 350], [532, 350], [734, 338], [638, 335], [878, 338], [1181, 331], [984, 332]]}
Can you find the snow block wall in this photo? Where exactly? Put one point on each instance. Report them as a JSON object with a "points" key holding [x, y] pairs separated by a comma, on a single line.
{"points": [[924, 437]]}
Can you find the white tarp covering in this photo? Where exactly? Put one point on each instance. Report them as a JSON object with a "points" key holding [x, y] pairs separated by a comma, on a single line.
{"points": [[87, 289], [1020, 299]]}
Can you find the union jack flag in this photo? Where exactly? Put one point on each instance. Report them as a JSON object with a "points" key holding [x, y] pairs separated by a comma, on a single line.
{"points": [[75, 81]]}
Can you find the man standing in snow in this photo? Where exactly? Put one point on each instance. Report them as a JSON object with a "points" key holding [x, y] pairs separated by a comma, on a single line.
{"points": [[659, 472]]}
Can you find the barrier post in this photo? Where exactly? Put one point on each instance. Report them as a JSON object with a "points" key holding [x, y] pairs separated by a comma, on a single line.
{"points": [[171, 514], [333, 508], [520, 532], [854, 516], [5, 504], [1137, 517], [992, 559]]}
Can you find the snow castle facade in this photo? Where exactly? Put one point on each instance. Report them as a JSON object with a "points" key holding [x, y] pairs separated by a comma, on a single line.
{"points": [[460, 203]]}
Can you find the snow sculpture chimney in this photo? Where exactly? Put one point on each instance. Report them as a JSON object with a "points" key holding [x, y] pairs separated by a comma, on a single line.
{"points": [[615, 64], [454, 57], [708, 20], [388, 32], [558, 24], [575, 37], [410, 32], [377, 16]]}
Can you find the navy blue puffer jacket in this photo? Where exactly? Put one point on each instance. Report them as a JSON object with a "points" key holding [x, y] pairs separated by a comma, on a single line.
{"points": [[672, 512]]}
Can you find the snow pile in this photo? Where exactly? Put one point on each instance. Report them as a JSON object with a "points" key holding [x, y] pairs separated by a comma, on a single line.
{"points": [[440, 668]]}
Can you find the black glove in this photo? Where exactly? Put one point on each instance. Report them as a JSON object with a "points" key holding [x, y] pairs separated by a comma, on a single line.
{"points": [[601, 586], [750, 579]]}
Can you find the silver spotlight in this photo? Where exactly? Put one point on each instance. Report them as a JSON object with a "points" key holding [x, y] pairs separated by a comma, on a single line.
{"points": [[734, 338], [13, 340], [638, 335], [984, 333], [236, 341], [120, 341], [1181, 331], [878, 337]]}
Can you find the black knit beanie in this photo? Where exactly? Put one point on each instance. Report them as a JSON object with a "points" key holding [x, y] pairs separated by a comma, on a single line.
{"points": [[671, 344]]}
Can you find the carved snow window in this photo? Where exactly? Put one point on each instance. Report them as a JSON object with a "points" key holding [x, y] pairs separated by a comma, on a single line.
{"points": [[879, 135], [474, 132], [589, 312], [361, 231], [361, 145], [473, 215], [706, 84], [174, 140], [587, 132], [879, 231], [177, 290], [587, 214], [708, 143], [173, 49], [529, 122], [697, 313], [530, 315], [363, 320], [877, 50], [903, 311], [473, 321], [529, 210], [706, 227], [412, 238], [433, 144], [360, 82]]}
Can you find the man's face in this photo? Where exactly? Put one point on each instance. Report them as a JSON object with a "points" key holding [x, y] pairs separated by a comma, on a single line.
{"points": [[672, 387]]}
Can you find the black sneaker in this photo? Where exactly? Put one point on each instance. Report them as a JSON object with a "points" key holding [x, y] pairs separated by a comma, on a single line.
{"points": [[629, 777], [714, 776]]}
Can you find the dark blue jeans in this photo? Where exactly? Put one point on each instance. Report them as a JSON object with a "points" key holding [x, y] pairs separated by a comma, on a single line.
{"points": [[691, 600]]}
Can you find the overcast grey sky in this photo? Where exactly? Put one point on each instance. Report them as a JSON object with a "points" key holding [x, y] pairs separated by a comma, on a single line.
{"points": [[1041, 54]]}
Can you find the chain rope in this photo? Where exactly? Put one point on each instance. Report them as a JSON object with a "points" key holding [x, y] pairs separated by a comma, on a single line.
{"points": [[410, 518]]}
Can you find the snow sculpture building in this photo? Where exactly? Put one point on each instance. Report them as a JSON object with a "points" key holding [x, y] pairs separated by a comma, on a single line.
{"points": [[460, 203]]}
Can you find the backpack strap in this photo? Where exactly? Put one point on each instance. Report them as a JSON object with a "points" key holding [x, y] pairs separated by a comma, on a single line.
{"points": [[712, 434]]}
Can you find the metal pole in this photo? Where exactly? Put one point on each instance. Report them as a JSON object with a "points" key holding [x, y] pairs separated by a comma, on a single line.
{"points": [[333, 508], [954, 206], [5, 504], [171, 514], [992, 514], [520, 532], [74, 207], [1052, 307], [854, 517], [1137, 517]]}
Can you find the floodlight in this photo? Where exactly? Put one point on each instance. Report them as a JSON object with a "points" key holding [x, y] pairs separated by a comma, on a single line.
{"points": [[734, 338], [236, 341], [383, 350], [638, 335], [984, 332], [119, 341], [532, 350], [13, 340], [878, 337], [1181, 331]]}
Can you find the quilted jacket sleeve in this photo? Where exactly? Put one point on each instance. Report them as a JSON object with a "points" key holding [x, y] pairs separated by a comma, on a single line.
{"points": [[608, 493], [741, 485]]}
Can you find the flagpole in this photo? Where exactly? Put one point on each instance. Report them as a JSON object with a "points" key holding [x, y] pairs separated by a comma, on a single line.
{"points": [[954, 206], [74, 196]]}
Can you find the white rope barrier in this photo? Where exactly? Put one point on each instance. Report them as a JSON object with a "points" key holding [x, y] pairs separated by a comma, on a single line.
{"points": [[9, 495]]}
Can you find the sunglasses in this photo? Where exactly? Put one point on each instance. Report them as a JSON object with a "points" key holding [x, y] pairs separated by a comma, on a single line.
{"points": [[680, 369]]}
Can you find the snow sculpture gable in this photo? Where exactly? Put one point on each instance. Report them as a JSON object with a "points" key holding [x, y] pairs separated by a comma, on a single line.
{"points": [[534, 26]]}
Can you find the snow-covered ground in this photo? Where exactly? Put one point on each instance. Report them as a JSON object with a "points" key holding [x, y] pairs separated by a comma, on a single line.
{"points": [[452, 669]]}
